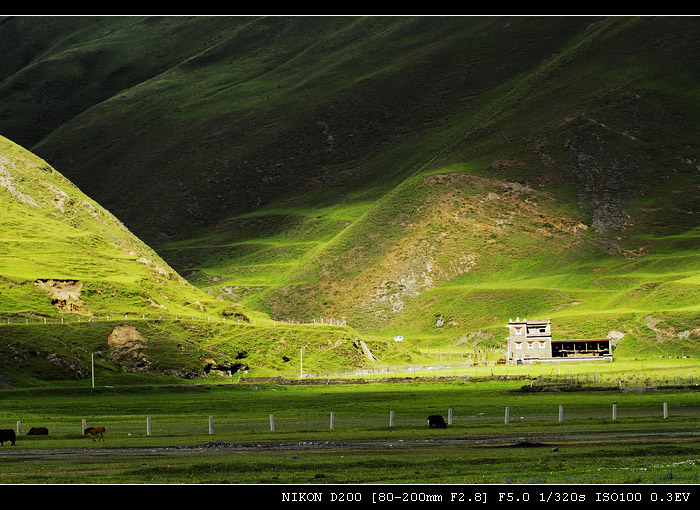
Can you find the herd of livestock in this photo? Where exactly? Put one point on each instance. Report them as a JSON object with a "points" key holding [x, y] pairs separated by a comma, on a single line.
{"points": [[9, 436], [98, 433]]}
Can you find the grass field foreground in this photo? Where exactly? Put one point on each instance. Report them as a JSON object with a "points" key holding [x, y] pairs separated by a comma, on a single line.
{"points": [[638, 445]]}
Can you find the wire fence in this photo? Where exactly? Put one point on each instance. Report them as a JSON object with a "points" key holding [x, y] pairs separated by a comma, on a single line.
{"points": [[463, 416], [33, 319]]}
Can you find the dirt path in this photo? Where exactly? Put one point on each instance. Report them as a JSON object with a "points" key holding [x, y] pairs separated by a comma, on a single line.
{"points": [[524, 441]]}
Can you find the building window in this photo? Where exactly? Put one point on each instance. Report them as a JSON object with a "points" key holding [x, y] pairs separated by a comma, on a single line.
{"points": [[543, 345], [531, 345], [518, 345]]}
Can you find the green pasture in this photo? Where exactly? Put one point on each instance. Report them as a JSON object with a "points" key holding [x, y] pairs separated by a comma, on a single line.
{"points": [[666, 461], [620, 373], [586, 446]]}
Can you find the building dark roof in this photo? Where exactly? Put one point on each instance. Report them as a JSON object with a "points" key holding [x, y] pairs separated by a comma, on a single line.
{"points": [[583, 340]]}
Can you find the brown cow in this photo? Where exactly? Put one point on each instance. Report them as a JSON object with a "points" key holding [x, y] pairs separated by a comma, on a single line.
{"points": [[38, 431], [95, 431]]}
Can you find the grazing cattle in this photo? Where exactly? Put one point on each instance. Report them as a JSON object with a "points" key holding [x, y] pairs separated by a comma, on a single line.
{"points": [[95, 431], [7, 435], [38, 431], [437, 421]]}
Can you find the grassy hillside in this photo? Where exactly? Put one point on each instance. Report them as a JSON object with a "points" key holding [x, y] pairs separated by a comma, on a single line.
{"points": [[425, 176], [570, 194], [77, 286], [64, 254]]}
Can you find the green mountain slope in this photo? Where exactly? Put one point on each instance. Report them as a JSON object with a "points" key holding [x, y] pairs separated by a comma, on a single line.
{"points": [[556, 199], [64, 254], [397, 173], [77, 287]]}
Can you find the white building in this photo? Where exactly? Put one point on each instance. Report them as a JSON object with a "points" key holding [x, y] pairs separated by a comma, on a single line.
{"points": [[530, 341]]}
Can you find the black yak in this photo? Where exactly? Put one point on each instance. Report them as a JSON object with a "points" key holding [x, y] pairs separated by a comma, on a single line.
{"points": [[7, 435], [436, 421]]}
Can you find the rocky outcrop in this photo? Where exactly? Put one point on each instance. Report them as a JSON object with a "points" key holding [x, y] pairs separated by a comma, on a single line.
{"points": [[65, 294], [127, 348], [226, 369]]}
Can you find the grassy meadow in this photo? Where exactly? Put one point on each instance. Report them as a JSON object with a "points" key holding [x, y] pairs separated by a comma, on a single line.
{"points": [[587, 447]]}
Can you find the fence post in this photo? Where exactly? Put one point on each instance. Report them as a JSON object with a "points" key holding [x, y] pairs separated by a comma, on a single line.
{"points": [[665, 410], [507, 419], [561, 412], [614, 411], [332, 421], [148, 426], [82, 431], [272, 423], [211, 424], [19, 427], [391, 418], [449, 416]]}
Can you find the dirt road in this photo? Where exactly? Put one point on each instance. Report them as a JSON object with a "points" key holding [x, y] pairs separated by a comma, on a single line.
{"points": [[523, 441]]}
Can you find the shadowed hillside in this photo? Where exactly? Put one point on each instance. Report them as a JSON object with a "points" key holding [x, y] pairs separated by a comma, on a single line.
{"points": [[427, 176]]}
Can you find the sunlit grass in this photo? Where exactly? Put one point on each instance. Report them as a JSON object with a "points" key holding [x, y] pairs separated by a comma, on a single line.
{"points": [[588, 447]]}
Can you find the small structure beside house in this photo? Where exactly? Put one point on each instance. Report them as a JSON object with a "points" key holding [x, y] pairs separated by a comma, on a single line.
{"points": [[530, 341]]}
